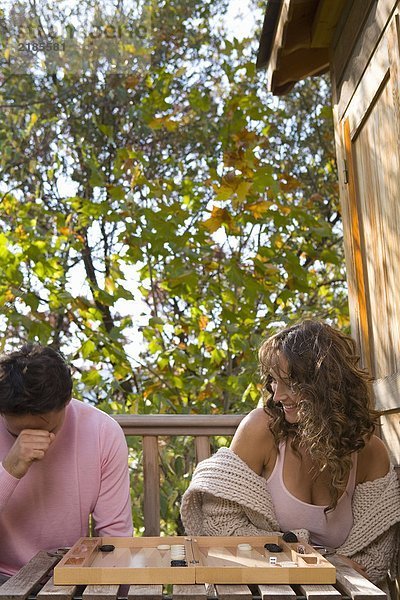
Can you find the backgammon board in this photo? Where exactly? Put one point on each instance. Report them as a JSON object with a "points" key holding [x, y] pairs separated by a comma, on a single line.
{"points": [[191, 559]]}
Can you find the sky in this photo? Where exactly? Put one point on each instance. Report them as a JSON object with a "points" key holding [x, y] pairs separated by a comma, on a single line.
{"points": [[240, 21]]}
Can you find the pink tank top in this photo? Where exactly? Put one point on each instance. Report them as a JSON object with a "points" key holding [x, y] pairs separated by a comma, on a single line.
{"points": [[327, 529]]}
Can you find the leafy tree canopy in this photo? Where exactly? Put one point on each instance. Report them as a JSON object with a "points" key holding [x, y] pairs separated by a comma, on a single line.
{"points": [[177, 181], [152, 189]]}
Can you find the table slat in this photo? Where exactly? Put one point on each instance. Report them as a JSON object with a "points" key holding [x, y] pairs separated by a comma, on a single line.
{"points": [[189, 592], [272, 592], [150, 592], [19, 586], [211, 592], [58, 592], [319, 592], [100, 592], [225, 592], [356, 586]]}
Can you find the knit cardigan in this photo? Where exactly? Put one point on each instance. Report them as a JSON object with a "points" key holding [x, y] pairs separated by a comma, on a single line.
{"points": [[226, 497]]}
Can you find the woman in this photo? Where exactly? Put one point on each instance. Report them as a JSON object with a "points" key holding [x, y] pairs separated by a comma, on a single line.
{"points": [[308, 460]]}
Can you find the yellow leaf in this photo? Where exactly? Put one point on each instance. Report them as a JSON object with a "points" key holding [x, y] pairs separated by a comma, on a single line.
{"points": [[245, 138], [9, 296], [163, 122], [223, 192], [285, 210], [242, 190], [32, 121], [203, 321], [150, 389], [129, 48], [136, 174], [131, 82], [239, 161], [258, 209], [211, 266], [109, 285], [219, 216]]}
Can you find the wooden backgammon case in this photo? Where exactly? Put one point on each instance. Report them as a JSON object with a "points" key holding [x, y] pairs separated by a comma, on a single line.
{"points": [[147, 560]]}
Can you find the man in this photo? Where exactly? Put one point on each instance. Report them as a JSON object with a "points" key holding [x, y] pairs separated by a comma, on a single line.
{"points": [[62, 460]]}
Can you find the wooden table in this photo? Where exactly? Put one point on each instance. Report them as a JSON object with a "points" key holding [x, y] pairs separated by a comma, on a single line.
{"points": [[35, 581]]}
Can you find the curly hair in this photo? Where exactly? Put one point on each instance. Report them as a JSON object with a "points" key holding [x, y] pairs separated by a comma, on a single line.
{"points": [[334, 392], [34, 380]]}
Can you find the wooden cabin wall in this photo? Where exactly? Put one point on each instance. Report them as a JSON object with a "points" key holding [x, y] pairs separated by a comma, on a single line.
{"points": [[365, 58]]}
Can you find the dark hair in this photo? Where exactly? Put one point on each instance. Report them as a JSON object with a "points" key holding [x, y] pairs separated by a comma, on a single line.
{"points": [[335, 413], [34, 380]]}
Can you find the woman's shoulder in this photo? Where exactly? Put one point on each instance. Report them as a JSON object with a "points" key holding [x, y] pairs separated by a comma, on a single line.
{"points": [[256, 423], [253, 441], [373, 460]]}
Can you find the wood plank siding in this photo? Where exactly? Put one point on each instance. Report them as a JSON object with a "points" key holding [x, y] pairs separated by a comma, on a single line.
{"points": [[363, 43], [367, 120]]}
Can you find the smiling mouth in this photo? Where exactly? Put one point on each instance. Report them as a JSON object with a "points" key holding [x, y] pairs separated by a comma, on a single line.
{"points": [[288, 406]]}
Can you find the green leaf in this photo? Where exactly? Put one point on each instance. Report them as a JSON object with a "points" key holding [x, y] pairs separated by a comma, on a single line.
{"points": [[88, 348]]}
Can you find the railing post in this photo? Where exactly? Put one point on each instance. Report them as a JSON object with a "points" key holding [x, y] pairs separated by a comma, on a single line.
{"points": [[151, 474], [202, 444]]}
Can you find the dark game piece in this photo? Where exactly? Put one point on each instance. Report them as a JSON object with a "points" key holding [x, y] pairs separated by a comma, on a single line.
{"points": [[290, 537], [106, 548], [178, 563], [273, 547]]}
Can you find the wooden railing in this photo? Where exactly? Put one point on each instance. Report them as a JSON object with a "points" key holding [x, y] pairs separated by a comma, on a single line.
{"points": [[150, 427]]}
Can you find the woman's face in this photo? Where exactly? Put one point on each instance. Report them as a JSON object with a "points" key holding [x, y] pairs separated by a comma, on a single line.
{"points": [[283, 394]]}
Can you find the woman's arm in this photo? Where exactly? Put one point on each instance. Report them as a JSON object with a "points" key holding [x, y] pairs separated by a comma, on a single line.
{"points": [[253, 442], [373, 461], [373, 541]]}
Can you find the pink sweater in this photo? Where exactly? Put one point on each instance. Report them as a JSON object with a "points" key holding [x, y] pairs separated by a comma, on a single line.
{"points": [[85, 471]]}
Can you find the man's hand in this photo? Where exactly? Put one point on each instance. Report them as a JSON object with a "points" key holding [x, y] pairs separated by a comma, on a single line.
{"points": [[30, 445]]}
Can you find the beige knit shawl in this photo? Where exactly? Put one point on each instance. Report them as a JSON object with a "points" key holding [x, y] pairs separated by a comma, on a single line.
{"points": [[226, 497]]}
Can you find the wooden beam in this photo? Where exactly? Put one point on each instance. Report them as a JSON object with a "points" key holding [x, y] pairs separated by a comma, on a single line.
{"points": [[299, 65], [354, 228], [178, 424], [325, 20], [202, 444], [297, 37], [283, 20], [151, 475]]}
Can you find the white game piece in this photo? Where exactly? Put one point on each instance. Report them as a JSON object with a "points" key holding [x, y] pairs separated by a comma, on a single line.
{"points": [[178, 552], [272, 560], [288, 563], [246, 547], [163, 547]]}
